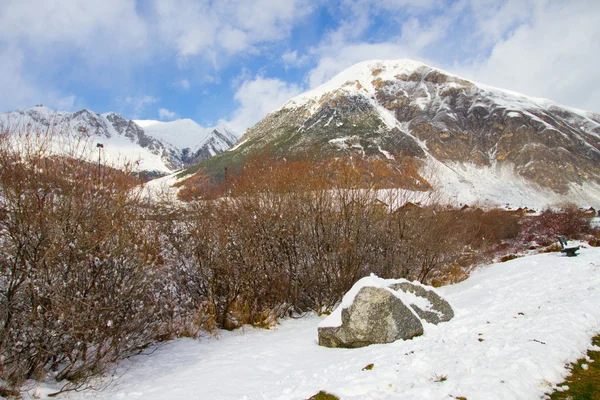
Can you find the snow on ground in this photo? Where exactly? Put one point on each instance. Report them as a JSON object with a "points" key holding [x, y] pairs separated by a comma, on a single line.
{"points": [[162, 188], [517, 323]]}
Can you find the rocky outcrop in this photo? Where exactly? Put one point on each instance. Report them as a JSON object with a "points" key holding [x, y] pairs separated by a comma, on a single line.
{"points": [[377, 311], [376, 316]]}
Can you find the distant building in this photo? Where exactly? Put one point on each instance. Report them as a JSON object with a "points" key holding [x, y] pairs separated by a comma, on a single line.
{"points": [[590, 212]]}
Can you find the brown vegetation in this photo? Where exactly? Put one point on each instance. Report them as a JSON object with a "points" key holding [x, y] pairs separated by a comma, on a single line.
{"points": [[402, 172], [77, 266]]}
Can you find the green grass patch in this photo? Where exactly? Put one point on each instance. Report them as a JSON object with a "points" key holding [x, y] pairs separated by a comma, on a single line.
{"points": [[322, 395], [215, 165], [584, 382]]}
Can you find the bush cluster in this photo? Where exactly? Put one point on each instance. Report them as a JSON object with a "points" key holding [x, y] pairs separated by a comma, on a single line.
{"points": [[290, 237], [78, 266]]}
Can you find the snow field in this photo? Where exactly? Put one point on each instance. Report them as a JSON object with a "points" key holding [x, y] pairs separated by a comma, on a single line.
{"points": [[516, 326]]}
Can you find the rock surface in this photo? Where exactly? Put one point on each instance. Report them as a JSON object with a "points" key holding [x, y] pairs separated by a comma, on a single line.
{"points": [[376, 311], [376, 316], [440, 310]]}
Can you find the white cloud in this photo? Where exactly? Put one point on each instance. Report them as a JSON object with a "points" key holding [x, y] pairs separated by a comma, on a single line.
{"points": [[18, 91], [77, 23], [257, 98], [230, 26], [555, 55], [495, 18], [135, 105], [166, 115], [291, 59], [183, 84], [211, 79], [109, 39], [85, 38]]}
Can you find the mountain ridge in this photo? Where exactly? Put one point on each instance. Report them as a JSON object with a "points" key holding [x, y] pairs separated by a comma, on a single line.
{"points": [[129, 139], [404, 108]]}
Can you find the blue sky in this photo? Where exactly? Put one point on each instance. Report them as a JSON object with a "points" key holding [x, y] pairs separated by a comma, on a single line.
{"points": [[233, 61]]}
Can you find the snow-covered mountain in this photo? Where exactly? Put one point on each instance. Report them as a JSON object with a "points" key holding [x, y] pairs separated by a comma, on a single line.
{"points": [[196, 142], [475, 142], [158, 147]]}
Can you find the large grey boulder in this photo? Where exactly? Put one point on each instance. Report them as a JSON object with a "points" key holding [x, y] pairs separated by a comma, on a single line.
{"points": [[439, 310], [375, 316]]}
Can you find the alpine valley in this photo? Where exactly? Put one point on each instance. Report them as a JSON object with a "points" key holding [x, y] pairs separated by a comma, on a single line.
{"points": [[473, 142], [159, 147]]}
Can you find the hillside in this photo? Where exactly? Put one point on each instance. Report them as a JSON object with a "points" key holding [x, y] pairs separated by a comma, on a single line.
{"points": [[516, 326], [473, 141]]}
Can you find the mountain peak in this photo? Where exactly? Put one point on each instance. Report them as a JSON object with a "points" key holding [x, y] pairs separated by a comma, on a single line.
{"points": [[359, 78], [364, 78], [184, 133], [42, 109]]}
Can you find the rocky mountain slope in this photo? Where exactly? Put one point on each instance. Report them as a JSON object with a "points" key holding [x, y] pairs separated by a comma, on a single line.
{"points": [[159, 147], [472, 137], [196, 142]]}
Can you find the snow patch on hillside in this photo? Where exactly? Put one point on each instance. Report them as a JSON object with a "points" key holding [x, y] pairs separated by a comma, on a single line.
{"points": [[162, 188], [465, 183]]}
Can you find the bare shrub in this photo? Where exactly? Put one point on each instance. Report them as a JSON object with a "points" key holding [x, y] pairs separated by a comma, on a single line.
{"points": [[545, 228], [77, 265]]}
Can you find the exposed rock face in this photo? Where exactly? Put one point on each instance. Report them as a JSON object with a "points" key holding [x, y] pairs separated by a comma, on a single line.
{"points": [[217, 142], [440, 310], [376, 316], [405, 108]]}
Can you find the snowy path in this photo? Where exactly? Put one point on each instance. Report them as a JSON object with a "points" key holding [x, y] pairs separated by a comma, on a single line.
{"points": [[516, 325]]}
